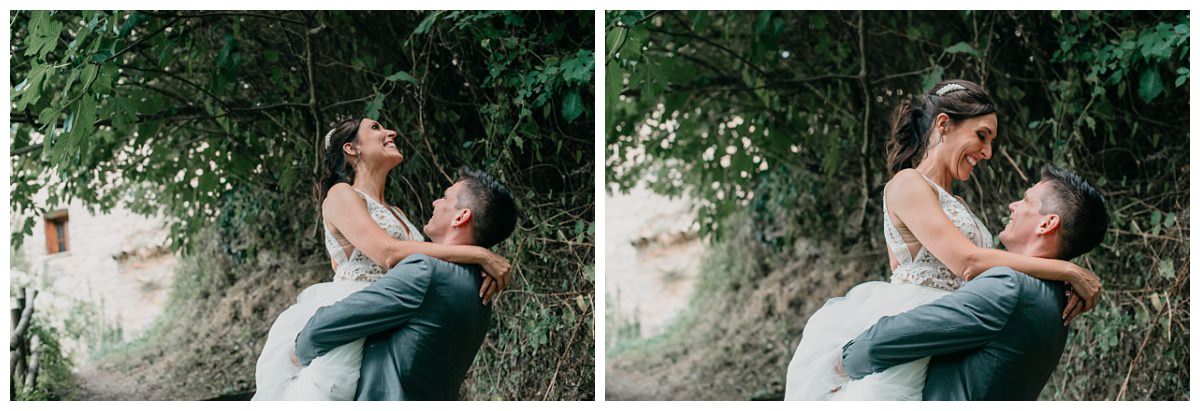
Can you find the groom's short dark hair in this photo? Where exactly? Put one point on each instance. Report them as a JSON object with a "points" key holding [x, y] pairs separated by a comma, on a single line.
{"points": [[493, 210], [1081, 209]]}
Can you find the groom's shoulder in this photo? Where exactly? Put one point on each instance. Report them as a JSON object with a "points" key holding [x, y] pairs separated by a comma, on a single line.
{"points": [[998, 277], [1001, 271], [1016, 279], [431, 264]]}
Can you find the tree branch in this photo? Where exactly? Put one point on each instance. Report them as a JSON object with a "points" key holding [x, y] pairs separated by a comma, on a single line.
{"points": [[142, 40], [692, 35], [312, 96], [26, 317], [192, 113], [235, 14]]}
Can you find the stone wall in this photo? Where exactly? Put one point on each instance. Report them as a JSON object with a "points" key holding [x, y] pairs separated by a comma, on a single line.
{"points": [[652, 257], [116, 274]]}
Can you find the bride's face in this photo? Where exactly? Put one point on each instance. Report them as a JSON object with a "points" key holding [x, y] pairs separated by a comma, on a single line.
{"points": [[376, 145], [965, 144]]}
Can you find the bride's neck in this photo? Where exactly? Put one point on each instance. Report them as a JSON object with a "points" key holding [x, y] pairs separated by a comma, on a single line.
{"points": [[938, 175], [372, 183]]}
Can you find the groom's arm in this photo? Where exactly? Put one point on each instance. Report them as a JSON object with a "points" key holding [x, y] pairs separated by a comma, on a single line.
{"points": [[385, 305], [963, 320]]}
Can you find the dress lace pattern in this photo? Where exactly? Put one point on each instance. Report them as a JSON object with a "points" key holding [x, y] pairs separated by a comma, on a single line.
{"points": [[924, 269], [359, 267]]}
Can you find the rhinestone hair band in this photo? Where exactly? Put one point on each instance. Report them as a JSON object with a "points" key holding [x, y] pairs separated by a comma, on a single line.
{"points": [[949, 88], [328, 136]]}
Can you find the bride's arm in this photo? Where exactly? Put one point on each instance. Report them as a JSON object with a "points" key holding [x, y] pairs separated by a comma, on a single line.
{"points": [[347, 212], [916, 204]]}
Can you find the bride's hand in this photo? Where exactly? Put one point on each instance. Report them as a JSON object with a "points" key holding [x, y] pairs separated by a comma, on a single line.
{"points": [[1084, 292], [495, 271]]}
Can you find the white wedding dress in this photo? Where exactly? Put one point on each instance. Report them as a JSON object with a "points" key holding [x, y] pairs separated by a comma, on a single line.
{"points": [[333, 376], [917, 280]]}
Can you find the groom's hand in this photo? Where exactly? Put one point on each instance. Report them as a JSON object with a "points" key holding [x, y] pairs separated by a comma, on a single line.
{"points": [[295, 359], [837, 367]]}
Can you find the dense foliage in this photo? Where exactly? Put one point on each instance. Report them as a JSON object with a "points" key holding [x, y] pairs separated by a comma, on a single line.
{"points": [[213, 119], [779, 120]]}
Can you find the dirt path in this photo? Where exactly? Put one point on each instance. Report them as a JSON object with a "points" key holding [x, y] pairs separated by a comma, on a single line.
{"points": [[101, 385]]}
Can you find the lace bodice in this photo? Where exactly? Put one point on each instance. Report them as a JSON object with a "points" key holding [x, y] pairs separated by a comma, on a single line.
{"points": [[359, 267], [924, 269]]}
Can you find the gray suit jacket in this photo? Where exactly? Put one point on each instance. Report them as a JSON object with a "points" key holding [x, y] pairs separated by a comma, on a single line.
{"points": [[999, 337], [423, 321]]}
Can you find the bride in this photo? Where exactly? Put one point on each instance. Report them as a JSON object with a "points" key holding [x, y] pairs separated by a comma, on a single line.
{"points": [[364, 237], [934, 245]]}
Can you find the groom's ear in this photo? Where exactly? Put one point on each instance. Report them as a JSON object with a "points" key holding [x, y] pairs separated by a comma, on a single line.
{"points": [[1049, 224], [461, 217]]}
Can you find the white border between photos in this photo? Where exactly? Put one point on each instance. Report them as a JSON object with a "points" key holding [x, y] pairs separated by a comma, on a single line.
{"points": [[600, 231]]}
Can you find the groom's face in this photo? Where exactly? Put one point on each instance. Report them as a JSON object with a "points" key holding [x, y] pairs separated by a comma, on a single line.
{"points": [[445, 211], [1025, 217]]}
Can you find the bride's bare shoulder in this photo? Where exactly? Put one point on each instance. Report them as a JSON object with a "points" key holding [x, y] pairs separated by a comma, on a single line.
{"points": [[909, 189], [339, 195], [907, 183]]}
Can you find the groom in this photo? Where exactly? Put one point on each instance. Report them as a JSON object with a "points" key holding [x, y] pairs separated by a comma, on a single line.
{"points": [[1000, 336], [423, 321]]}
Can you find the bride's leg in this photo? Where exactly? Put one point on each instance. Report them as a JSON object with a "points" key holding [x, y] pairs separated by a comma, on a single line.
{"points": [[904, 382], [330, 377], [275, 375], [274, 369]]}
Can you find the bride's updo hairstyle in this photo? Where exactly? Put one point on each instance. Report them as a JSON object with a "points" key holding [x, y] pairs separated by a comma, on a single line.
{"points": [[912, 120], [337, 169]]}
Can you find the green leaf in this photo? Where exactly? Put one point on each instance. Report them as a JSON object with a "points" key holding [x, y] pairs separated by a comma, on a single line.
{"points": [[402, 76], [701, 20], [30, 90], [1150, 84], [572, 106], [614, 38], [578, 69], [427, 23], [85, 117], [818, 21], [932, 78], [208, 181], [514, 20], [1169, 221], [962, 47], [223, 59], [43, 34], [1166, 268], [763, 22], [133, 21], [374, 107], [632, 49]]}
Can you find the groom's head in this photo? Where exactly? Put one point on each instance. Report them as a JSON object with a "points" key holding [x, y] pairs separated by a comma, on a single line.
{"points": [[1060, 217], [477, 210]]}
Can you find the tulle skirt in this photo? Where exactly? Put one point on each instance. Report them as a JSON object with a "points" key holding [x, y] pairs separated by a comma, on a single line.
{"points": [[333, 376], [811, 374]]}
